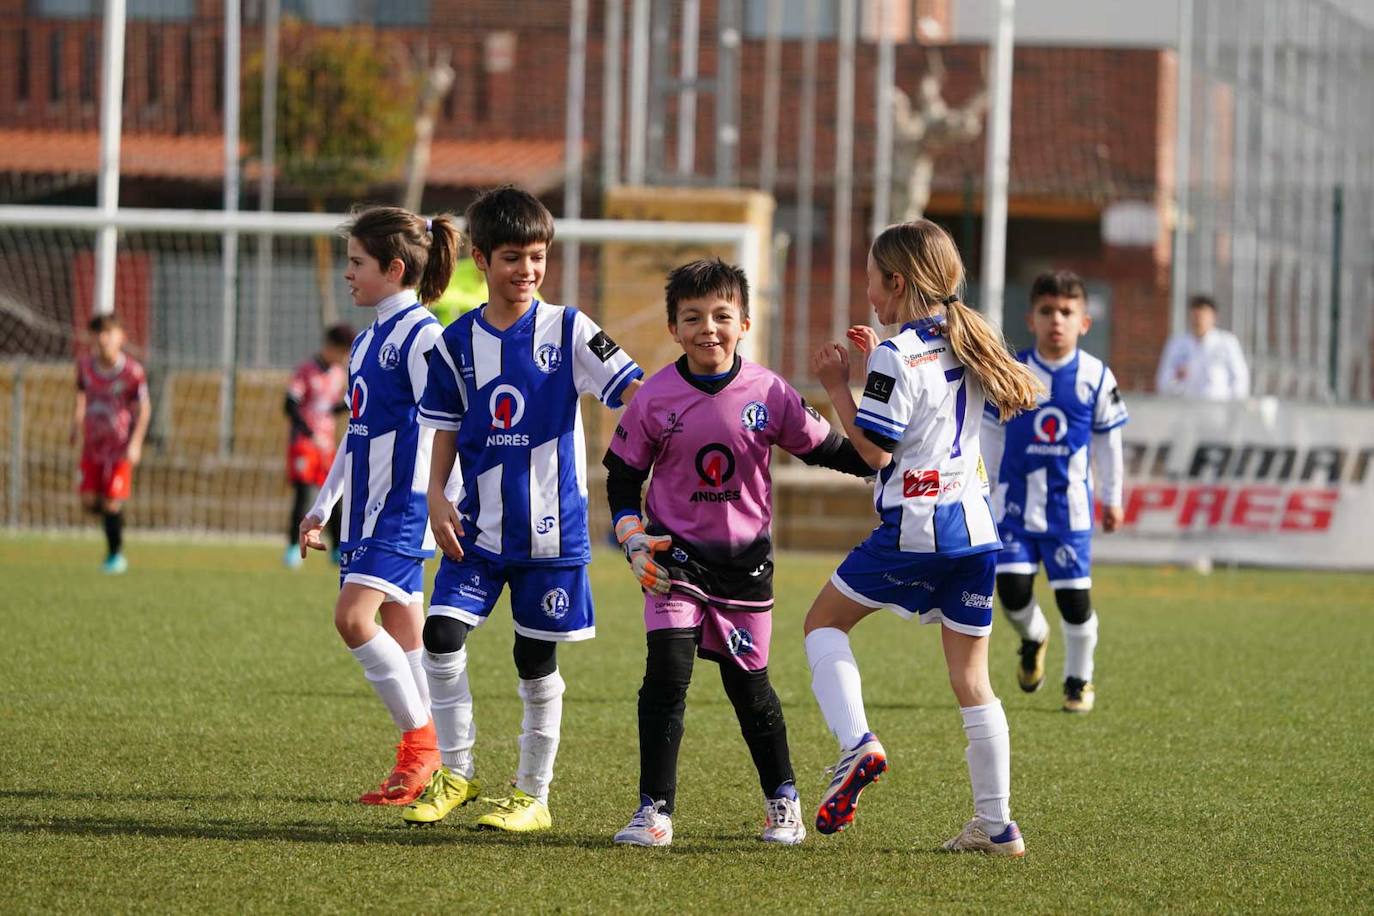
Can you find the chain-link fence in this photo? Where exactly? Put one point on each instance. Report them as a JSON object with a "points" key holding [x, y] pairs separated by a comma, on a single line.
{"points": [[1277, 214]]}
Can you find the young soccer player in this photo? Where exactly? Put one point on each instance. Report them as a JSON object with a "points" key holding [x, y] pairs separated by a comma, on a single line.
{"points": [[313, 399], [1043, 493], [112, 414], [933, 552], [705, 425], [396, 260], [503, 400]]}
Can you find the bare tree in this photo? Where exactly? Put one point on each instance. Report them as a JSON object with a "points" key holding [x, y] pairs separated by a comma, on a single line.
{"points": [[921, 131], [436, 79]]}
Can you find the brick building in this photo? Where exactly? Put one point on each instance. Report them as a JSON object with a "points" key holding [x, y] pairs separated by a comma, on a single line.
{"points": [[1092, 131]]}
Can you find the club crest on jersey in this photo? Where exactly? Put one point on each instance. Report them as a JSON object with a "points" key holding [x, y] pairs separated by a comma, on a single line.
{"points": [[1051, 425], [389, 357], [1065, 555], [754, 416], [918, 483], [1085, 392], [548, 358], [740, 642], [555, 604]]}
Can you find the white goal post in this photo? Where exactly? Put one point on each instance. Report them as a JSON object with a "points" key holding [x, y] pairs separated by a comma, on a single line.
{"points": [[217, 364]]}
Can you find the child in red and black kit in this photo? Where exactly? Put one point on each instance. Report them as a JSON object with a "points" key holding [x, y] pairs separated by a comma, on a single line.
{"points": [[112, 414], [314, 399]]}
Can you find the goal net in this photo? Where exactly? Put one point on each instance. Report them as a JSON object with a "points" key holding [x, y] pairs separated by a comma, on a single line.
{"points": [[219, 337]]}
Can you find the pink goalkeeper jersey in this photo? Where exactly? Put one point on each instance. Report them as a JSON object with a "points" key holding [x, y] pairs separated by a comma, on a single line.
{"points": [[710, 453]]}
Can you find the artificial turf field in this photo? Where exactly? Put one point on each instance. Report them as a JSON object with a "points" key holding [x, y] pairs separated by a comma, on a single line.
{"points": [[191, 736]]}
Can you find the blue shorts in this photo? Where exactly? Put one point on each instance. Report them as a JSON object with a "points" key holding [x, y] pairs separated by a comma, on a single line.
{"points": [[399, 577], [547, 602], [954, 591], [1068, 557]]}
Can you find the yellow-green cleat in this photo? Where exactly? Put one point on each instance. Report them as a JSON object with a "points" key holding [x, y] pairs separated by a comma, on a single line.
{"points": [[1030, 668], [1079, 695], [446, 791], [520, 813]]}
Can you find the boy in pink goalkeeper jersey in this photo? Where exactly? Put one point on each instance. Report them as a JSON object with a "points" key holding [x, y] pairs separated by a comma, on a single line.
{"points": [[706, 425]]}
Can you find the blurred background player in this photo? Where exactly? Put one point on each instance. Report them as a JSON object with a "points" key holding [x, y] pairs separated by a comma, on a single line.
{"points": [[933, 552], [502, 398], [1043, 493], [1204, 363], [112, 414], [314, 398], [396, 260], [706, 426]]}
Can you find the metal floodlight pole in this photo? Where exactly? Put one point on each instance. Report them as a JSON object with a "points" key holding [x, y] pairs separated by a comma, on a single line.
{"points": [[229, 287], [687, 90], [267, 181], [1178, 280], [882, 117], [844, 173], [572, 143], [111, 124], [639, 92], [612, 37], [995, 171], [772, 78], [806, 190], [728, 39]]}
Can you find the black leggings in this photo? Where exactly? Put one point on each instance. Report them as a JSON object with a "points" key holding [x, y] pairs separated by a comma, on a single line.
{"points": [[1017, 590], [663, 705]]}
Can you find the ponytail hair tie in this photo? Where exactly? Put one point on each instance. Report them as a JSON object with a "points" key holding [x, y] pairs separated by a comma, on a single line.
{"points": [[429, 225], [950, 299]]}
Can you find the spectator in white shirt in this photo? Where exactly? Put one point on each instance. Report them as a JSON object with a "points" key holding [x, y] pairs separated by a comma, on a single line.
{"points": [[1206, 363]]}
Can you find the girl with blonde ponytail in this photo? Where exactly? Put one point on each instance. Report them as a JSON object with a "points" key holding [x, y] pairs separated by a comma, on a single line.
{"points": [[933, 554]]}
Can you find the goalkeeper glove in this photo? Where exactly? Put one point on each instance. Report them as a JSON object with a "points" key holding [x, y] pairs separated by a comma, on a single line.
{"points": [[639, 551]]}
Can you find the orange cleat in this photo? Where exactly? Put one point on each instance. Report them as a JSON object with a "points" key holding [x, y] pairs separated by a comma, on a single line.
{"points": [[417, 757]]}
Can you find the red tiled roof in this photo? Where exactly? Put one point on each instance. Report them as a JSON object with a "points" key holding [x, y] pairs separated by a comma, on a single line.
{"points": [[534, 164]]}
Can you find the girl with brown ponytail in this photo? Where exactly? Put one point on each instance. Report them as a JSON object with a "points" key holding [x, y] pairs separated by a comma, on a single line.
{"points": [[396, 261], [933, 554]]}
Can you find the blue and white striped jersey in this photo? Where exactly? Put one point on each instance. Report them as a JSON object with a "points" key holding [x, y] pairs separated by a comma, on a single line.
{"points": [[512, 396], [386, 452], [932, 497], [1043, 484]]}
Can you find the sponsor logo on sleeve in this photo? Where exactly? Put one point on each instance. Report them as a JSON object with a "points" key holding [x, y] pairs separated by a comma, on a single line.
{"points": [[620, 433], [602, 346], [879, 387], [815, 414]]}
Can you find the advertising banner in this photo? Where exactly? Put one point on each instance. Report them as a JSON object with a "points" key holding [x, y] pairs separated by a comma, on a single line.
{"points": [[1261, 481]]}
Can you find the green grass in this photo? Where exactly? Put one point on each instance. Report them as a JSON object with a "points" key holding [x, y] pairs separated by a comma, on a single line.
{"points": [[190, 737]]}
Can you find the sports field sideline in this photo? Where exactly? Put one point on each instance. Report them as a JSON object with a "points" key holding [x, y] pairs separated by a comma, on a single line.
{"points": [[191, 737]]}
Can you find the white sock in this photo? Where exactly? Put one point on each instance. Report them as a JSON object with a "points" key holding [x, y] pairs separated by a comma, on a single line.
{"points": [[835, 682], [385, 667], [1030, 622], [1079, 642], [989, 764], [539, 731], [417, 670], [451, 704]]}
